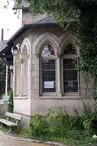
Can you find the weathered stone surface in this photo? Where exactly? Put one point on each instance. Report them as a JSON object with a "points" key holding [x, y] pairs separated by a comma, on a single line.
{"points": [[35, 86], [35, 61], [90, 85], [36, 67], [82, 80], [83, 85], [35, 74], [36, 80]]}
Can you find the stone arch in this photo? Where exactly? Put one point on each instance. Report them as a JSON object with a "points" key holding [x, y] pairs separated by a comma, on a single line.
{"points": [[67, 38], [43, 40], [26, 45], [25, 66]]}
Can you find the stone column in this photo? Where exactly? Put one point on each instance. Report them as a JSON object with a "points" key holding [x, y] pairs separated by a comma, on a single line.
{"points": [[58, 77]]}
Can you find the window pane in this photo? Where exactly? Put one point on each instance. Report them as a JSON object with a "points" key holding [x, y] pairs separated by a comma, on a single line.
{"points": [[69, 64], [70, 76], [48, 51], [48, 75]]}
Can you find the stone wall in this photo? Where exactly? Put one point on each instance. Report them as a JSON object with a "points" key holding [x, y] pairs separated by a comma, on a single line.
{"points": [[34, 102]]}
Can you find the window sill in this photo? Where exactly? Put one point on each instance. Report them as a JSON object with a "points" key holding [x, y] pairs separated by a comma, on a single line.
{"points": [[49, 94], [71, 96], [20, 97], [55, 95]]}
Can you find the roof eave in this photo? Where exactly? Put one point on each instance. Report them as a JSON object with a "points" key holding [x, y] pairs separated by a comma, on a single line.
{"points": [[27, 26]]}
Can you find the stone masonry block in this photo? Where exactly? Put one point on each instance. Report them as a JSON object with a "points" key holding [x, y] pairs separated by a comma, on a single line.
{"points": [[87, 79], [83, 85], [83, 91], [35, 86], [35, 61], [36, 80], [90, 85], [82, 79], [36, 67], [35, 74]]}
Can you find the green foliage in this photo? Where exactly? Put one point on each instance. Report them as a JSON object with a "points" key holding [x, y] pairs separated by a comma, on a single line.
{"points": [[57, 125], [38, 126], [89, 123], [2, 77], [10, 102], [94, 142], [58, 120]]}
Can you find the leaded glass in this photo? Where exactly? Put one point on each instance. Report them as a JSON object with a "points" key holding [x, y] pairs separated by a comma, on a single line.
{"points": [[48, 51], [70, 76], [69, 50], [48, 75]]}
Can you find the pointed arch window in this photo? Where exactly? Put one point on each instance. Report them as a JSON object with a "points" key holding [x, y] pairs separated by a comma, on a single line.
{"points": [[17, 75], [48, 69], [70, 75], [24, 72]]}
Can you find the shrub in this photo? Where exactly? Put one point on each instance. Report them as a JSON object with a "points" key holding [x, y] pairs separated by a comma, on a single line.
{"points": [[10, 102], [38, 126], [59, 122], [90, 123], [58, 125]]}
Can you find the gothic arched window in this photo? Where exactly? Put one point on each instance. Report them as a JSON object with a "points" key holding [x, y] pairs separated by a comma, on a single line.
{"points": [[48, 69], [70, 75], [24, 72]]}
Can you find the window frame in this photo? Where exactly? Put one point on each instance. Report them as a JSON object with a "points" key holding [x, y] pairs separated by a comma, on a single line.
{"points": [[72, 56], [41, 58]]}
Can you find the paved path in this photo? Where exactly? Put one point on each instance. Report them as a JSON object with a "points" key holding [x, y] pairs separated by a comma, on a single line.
{"points": [[7, 140], [10, 140]]}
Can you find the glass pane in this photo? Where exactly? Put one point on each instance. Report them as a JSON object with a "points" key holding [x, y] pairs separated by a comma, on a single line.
{"points": [[69, 64], [71, 86], [48, 64], [70, 76], [48, 76], [48, 51], [69, 50]]}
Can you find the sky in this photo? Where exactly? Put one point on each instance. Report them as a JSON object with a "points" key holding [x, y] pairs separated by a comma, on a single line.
{"points": [[8, 20]]}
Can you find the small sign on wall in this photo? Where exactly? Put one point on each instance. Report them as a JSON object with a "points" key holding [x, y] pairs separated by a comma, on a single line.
{"points": [[49, 84]]}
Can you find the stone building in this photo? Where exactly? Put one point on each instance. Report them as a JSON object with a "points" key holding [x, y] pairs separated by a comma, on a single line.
{"points": [[43, 70]]}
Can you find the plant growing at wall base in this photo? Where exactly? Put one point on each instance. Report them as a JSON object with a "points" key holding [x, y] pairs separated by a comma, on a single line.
{"points": [[10, 102], [38, 126], [57, 125]]}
